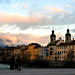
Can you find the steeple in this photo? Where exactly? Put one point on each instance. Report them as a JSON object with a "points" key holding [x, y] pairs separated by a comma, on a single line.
{"points": [[52, 36], [68, 36]]}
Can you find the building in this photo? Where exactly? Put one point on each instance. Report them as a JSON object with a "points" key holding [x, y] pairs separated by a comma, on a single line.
{"points": [[23, 52], [17, 52], [9, 51], [61, 50], [52, 47], [32, 51], [66, 51], [42, 53]]}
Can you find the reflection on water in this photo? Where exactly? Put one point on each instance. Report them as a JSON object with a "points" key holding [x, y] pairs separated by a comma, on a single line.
{"points": [[5, 66]]}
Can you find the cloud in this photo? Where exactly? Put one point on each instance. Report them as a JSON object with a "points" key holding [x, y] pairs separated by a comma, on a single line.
{"points": [[68, 6], [73, 30], [25, 5], [41, 17], [54, 10], [15, 39], [15, 5]]}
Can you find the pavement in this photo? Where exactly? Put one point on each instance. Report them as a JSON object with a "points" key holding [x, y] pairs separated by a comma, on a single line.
{"points": [[38, 72]]}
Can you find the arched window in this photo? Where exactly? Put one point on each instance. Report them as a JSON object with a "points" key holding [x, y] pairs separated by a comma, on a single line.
{"points": [[51, 39]]}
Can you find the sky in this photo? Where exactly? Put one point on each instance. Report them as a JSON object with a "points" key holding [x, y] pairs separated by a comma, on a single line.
{"points": [[32, 21]]}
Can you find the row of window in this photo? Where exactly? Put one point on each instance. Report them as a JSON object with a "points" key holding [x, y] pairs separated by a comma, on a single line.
{"points": [[63, 57], [65, 47], [43, 52], [60, 52]]}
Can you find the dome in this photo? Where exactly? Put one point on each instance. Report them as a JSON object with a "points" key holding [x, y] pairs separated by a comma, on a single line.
{"points": [[68, 34], [53, 35]]}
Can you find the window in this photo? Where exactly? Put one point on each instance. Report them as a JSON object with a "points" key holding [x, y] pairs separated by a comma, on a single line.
{"points": [[41, 52], [69, 46], [72, 52], [62, 51], [66, 46], [58, 52], [51, 39], [51, 48], [66, 51], [58, 47], [72, 56], [62, 47], [51, 52], [72, 47]]}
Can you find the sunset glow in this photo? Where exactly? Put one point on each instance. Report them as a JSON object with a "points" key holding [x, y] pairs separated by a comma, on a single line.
{"points": [[27, 21]]}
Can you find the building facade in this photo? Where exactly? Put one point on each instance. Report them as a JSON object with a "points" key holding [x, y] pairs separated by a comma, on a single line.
{"points": [[32, 53], [61, 50], [42, 53]]}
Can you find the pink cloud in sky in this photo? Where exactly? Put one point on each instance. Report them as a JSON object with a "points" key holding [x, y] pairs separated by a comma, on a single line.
{"points": [[10, 18], [19, 39]]}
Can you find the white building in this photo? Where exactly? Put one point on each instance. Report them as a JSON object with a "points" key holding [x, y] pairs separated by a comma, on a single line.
{"points": [[42, 53]]}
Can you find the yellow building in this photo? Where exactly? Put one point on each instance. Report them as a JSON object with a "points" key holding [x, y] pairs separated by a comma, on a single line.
{"points": [[23, 52], [33, 51]]}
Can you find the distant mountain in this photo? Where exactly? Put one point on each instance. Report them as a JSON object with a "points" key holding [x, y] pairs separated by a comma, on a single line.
{"points": [[4, 42]]}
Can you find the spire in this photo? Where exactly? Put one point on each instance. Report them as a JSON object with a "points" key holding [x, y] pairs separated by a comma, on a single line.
{"points": [[68, 30], [52, 30]]}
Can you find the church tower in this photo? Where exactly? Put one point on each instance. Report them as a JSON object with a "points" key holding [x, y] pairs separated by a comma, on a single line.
{"points": [[52, 36], [68, 36]]}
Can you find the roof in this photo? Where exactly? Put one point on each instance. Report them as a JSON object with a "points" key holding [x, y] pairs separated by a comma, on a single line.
{"points": [[34, 44], [53, 43], [67, 43], [37, 46]]}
